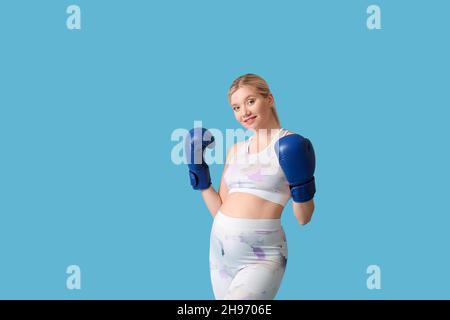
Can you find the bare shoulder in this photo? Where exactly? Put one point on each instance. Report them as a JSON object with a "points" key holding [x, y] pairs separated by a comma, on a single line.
{"points": [[234, 147], [231, 152]]}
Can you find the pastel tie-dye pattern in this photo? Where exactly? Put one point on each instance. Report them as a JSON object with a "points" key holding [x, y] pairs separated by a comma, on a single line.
{"points": [[246, 264], [258, 174]]}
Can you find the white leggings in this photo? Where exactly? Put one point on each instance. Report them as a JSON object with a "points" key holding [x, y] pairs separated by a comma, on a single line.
{"points": [[247, 257]]}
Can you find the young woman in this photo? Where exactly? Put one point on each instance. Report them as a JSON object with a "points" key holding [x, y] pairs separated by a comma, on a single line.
{"points": [[248, 248]]}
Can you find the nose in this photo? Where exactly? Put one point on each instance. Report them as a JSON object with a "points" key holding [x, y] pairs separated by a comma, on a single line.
{"points": [[245, 111]]}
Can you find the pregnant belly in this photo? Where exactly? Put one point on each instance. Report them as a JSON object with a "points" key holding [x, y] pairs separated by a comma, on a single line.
{"points": [[244, 205]]}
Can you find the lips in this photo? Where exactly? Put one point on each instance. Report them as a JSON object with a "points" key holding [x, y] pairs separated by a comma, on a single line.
{"points": [[249, 120]]}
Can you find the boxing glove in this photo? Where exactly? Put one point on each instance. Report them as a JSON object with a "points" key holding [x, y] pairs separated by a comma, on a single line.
{"points": [[197, 140], [297, 159]]}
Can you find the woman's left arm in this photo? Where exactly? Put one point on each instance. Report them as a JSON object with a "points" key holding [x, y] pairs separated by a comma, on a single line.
{"points": [[303, 211], [298, 161]]}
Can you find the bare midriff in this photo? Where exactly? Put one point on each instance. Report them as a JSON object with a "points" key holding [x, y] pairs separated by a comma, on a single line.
{"points": [[245, 205]]}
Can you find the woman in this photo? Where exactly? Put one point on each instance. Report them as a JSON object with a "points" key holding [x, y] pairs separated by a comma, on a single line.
{"points": [[248, 248]]}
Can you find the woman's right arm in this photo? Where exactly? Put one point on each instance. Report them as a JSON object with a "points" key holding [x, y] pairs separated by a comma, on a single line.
{"points": [[213, 199]]}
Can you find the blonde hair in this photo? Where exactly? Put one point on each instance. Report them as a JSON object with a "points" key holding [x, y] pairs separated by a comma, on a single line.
{"points": [[255, 81]]}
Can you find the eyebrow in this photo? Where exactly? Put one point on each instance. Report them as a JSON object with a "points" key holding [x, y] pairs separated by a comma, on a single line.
{"points": [[250, 95]]}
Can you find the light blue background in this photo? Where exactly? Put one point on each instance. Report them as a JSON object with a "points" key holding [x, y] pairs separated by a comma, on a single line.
{"points": [[86, 118]]}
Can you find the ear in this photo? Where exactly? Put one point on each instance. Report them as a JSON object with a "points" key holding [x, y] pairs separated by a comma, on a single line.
{"points": [[270, 99]]}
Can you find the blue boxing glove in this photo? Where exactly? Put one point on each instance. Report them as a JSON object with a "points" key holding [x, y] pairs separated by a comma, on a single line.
{"points": [[297, 159], [196, 142]]}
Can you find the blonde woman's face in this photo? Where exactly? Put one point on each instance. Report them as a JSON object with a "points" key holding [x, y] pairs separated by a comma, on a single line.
{"points": [[250, 108]]}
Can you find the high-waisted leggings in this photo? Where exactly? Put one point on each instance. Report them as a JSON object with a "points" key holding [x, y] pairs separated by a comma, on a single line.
{"points": [[247, 257]]}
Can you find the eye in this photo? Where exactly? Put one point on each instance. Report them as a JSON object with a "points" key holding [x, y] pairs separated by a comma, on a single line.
{"points": [[235, 108], [251, 101]]}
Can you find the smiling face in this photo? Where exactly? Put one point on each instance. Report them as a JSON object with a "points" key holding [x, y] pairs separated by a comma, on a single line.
{"points": [[251, 109]]}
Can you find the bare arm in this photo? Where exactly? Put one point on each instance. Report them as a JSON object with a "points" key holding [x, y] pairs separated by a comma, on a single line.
{"points": [[213, 199], [303, 211]]}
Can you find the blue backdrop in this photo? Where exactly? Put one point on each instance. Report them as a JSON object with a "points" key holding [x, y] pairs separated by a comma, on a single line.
{"points": [[86, 118]]}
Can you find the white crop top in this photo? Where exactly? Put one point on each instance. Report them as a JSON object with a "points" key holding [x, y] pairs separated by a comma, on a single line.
{"points": [[259, 173]]}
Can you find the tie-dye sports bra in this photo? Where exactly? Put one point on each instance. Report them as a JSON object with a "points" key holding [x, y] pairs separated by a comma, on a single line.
{"points": [[259, 173]]}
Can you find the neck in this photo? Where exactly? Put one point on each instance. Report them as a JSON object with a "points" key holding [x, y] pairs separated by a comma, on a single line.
{"points": [[266, 134]]}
